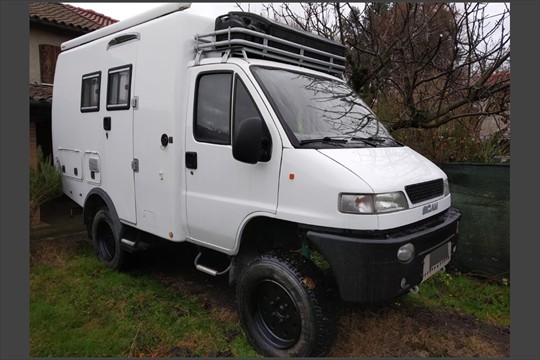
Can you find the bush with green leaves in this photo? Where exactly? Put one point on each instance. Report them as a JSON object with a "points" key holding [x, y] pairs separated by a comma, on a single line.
{"points": [[45, 183]]}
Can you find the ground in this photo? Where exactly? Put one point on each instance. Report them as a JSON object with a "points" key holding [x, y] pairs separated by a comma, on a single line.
{"points": [[402, 328]]}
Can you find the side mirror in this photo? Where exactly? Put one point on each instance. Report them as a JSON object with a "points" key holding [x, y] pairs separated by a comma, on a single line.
{"points": [[247, 140]]}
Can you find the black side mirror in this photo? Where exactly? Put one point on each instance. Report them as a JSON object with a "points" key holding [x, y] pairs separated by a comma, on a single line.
{"points": [[247, 140]]}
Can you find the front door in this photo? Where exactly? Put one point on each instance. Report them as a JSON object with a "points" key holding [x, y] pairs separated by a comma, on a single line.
{"points": [[118, 175], [221, 191]]}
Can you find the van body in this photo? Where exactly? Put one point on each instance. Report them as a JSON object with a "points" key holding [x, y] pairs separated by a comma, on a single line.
{"points": [[248, 157]]}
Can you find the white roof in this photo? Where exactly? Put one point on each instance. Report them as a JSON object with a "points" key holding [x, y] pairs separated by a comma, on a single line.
{"points": [[126, 24]]}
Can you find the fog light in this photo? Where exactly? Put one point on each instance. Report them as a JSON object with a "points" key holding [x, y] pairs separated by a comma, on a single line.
{"points": [[403, 283], [406, 252]]}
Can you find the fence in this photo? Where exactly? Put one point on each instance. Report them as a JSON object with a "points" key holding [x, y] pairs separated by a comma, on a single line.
{"points": [[482, 193]]}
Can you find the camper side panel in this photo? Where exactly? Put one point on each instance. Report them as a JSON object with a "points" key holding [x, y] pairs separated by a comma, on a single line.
{"points": [[77, 143], [93, 122], [165, 48]]}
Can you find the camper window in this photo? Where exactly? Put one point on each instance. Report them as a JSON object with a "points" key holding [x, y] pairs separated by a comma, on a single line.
{"points": [[90, 92], [213, 108], [119, 88]]}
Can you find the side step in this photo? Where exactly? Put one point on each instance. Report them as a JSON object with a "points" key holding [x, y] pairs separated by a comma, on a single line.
{"points": [[208, 270], [135, 240], [133, 246], [128, 242]]}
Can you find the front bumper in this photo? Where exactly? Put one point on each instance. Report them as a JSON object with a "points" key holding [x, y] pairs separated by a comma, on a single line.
{"points": [[365, 264]]}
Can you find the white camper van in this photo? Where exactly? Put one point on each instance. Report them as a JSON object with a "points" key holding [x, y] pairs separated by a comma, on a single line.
{"points": [[240, 135]]}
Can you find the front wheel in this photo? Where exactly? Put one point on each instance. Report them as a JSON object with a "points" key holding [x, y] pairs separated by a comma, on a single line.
{"points": [[282, 305]]}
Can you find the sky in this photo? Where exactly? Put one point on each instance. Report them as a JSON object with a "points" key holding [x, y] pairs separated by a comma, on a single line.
{"points": [[121, 11]]}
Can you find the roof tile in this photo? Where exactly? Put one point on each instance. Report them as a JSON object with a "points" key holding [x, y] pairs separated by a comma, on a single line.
{"points": [[68, 15], [41, 93]]}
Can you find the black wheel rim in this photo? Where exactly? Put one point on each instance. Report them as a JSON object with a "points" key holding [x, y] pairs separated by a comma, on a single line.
{"points": [[106, 242], [276, 314]]}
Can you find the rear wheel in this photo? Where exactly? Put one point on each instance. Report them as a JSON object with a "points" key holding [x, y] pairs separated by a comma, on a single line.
{"points": [[107, 241], [282, 305]]}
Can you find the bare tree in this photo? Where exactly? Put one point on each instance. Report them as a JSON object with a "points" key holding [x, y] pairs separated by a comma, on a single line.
{"points": [[421, 65]]}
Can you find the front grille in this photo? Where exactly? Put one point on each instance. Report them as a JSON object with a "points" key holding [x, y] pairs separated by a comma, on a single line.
{"points": [[425, 191]]}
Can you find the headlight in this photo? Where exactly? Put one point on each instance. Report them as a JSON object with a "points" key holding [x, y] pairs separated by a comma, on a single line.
{"points": [[446, 187], [372, 203]]}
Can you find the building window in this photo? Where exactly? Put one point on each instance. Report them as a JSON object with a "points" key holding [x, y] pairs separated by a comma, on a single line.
{"points": [[212, 122], [90, 92], [119, 88], [47, 62]]}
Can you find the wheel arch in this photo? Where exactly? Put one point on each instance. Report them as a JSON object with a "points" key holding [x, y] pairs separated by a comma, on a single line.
{"points": [[96, 199], [260, 233]]}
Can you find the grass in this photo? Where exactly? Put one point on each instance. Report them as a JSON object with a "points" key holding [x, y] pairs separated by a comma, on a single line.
{"points": [[83, 309], [70, 226], [80, 308], [486, 300]]}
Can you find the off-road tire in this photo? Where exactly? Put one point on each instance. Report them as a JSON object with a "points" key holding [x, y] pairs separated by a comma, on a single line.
{"points": [[281, 299], [106, 241]]}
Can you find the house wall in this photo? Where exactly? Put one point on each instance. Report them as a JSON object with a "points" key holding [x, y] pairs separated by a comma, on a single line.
{"points": [[492, 124], [40, 34]]}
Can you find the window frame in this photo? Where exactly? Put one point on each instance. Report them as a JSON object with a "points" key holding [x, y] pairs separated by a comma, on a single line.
{"points": [[111, 72], [92, 75], [196, 102]]}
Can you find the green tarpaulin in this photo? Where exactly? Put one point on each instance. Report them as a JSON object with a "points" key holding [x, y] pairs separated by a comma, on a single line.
{"points": [[482, 193]]}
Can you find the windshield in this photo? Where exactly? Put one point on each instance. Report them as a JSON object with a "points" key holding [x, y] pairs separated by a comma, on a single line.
{"points": [[319, 111]]}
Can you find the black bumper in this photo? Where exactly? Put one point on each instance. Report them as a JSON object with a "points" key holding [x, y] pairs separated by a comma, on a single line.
{"points": [[365, 264]]}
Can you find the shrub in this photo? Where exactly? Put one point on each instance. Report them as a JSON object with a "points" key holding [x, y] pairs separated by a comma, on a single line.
{"points": [[454, 143], [45, 183]]}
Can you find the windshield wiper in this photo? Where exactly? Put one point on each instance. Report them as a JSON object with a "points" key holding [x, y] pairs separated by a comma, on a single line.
{"points": [[378, 139], [326, 139], [338, 140], [366, 140]]}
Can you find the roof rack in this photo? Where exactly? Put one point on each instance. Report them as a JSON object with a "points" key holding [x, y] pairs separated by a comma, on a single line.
{"points": [[241, 40]]}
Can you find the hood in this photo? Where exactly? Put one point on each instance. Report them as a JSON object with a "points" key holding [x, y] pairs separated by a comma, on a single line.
{"points": [[386, 169]]}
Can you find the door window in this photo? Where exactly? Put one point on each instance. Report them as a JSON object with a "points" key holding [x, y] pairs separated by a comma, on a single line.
{"points": [[244, 107], [213, 108]]}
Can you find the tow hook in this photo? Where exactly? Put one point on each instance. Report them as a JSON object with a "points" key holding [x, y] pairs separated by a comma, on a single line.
{"points": [[414, 289]]}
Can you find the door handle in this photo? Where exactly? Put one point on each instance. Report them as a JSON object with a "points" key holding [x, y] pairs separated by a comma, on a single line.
{"points": [[107, 123], [191, 160]]}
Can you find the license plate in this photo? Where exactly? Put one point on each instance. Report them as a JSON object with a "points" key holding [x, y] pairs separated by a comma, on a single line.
{"points": [[436, 260]]}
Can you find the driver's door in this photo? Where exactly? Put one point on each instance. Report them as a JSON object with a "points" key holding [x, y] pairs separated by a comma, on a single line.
{"points": [[221, 191]]}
